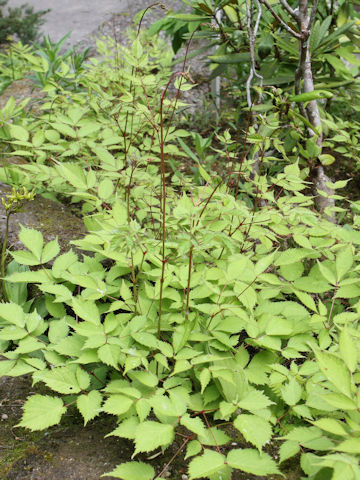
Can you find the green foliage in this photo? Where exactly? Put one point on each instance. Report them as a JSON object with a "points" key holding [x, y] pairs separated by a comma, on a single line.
{"points": [[190, 308], [22, 21], [222, 30]]}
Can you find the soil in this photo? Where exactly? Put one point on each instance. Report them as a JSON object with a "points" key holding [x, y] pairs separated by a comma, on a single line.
{"points": [[71, 451]]}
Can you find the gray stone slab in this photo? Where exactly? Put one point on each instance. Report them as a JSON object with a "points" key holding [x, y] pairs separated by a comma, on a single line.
{"points": [[81, 17]]}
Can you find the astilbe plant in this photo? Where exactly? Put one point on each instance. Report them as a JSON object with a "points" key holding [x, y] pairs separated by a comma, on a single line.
{"points": [[195, 313]]}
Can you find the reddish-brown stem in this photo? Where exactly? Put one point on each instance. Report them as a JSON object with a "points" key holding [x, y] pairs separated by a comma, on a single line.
{"points": [[163, 196], [172, 458], [189, 281]]}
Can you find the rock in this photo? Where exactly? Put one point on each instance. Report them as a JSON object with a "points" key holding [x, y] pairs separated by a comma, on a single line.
{"points": [[53, 219]]}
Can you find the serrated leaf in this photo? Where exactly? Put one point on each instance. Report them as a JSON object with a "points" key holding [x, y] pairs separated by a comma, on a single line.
{"points": [[350, 445], [25, 258], [194, 424], [105, 189], [204, 378], [58, 330], [19, 133], [146, 339], [291, 255], [348, 350], [89, 405], [117, 404], [83, 378], [343, 262], [50, 251], [288, 449], [251, 461], [126, 429], [254, 400], [60, 379], [335, 371], [63, 262], [41, 412], [12, 333], [214, 436], [86, 309], [264, 263], [151, 435], [330, 425], [291, 392], [146, 378], [132, 471], [12, 313], [193, 448], [33, 240], [254, 429], [210, 462], [110, 354], [340, 401], [327, 273]]}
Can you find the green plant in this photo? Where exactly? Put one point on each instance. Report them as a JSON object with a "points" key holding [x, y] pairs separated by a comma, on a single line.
{"points": [[12, 203], [205, 312], [59, 68], [22, 21], [168, 331], [266, 46]]}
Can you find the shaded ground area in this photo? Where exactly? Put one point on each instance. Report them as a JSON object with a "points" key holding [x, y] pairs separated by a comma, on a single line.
{"points": [[66, 452], [71, 451]]}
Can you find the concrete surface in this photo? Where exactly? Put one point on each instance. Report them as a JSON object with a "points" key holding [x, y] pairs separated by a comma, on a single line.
{"points": [[82, 17]]}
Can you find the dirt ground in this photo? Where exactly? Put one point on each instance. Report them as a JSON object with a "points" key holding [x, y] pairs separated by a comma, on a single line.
{"points": [[70, 451]]}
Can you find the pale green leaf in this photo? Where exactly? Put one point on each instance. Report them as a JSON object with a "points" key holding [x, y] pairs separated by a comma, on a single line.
{"points": [[291, 255], [25, 258], [204, 378], [254, 429], [350, 445], [133, 471], [214, 436], [210, 462], [105, 189], [194, 424], [331, 425], [288, 449], [146, 378], [60, 379], [126, 429], [33, 240], [251, 461], [51, 250], [12, 313], [291, 392], [344, 261], [58, 330], [89, 405], [19, 133], [193, 448], [151, 435], [110, 354], [348, 350], [41, 412], [86, 310], [335, 371], [117, 404]]}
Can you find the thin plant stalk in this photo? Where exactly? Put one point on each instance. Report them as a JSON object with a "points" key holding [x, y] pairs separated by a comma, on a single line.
{"points": [[163, 196], [3, 258]]}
